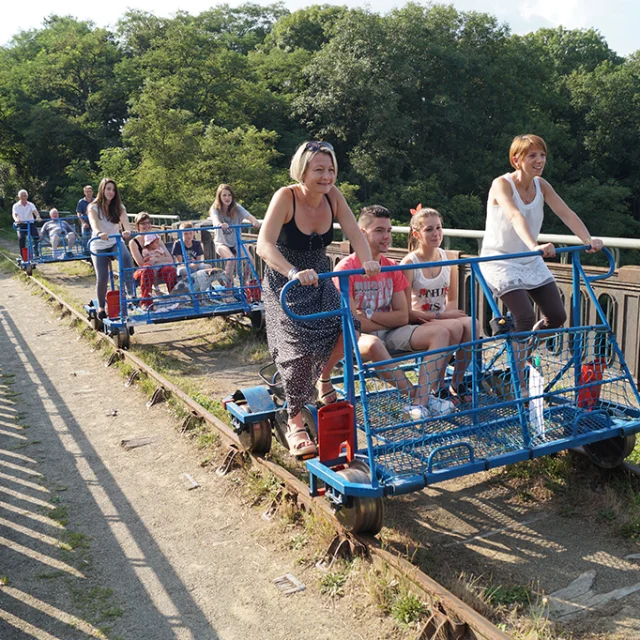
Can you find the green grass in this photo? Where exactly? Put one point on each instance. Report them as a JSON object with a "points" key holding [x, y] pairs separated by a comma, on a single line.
{"points": [[332, 584], [76, 268], [52, 575], [554, 469], [262, 485], [634, 458], [71, 540], [98, 604], [60, 514], [206, 437], [407, 609], [7, 266], [298, 541], [631, 528], [507, 596]]}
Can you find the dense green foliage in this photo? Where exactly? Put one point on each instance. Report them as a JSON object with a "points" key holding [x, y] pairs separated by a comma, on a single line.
{"points": [[421, 105]]}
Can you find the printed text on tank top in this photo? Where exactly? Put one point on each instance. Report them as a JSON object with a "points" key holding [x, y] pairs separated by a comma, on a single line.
{"points": [[430, 292], [291, 236]]}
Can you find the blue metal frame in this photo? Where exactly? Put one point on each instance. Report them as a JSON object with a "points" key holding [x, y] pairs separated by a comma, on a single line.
{"points": [[468, 422], [216, 301], [45, 255]]}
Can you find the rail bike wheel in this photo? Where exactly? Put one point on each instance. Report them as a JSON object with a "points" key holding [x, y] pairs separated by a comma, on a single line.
{"points": [[365, 515], [121, 338], [257, 320], [257, 437], [610, 453], [97, 324], [29, 269]]}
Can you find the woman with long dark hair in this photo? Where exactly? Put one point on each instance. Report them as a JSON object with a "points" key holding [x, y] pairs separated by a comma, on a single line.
{"points": [[108, 217]]}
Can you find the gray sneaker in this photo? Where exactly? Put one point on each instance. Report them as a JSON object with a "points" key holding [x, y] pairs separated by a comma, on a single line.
{"points": [[439, 406]]}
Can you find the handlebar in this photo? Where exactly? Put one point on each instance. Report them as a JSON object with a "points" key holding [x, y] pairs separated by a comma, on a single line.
{"points": [[441, 263], [612, 267]]}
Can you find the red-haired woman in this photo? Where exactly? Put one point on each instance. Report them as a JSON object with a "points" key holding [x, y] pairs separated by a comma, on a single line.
{"points": [[514, 219]]}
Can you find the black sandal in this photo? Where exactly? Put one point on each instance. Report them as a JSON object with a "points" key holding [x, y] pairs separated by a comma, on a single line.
{"points": [[322, 397], [461, 393]]}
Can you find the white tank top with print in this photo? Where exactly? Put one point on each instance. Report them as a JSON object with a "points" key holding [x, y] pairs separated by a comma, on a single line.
{"points": [[430, 294]]}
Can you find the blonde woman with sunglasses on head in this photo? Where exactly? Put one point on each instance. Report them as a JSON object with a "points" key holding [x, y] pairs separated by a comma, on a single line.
{"points": [[292, 242]]}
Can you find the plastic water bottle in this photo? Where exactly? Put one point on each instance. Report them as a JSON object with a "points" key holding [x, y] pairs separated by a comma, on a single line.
{"points": [[536, 407]]}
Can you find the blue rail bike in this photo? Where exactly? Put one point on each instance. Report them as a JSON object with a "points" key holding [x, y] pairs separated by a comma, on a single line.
{"points": [[532, 394], [61, 243], [182, 290]]}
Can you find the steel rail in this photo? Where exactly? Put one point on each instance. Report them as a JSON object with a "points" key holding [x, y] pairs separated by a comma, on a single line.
{"points": [[460, 621]]}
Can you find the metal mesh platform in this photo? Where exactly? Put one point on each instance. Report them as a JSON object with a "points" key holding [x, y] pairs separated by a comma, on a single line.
{"points": [[578, 389]]}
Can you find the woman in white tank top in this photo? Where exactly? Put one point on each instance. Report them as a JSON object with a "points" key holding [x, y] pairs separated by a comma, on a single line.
{"points": [[514, 219], [433, 293]]}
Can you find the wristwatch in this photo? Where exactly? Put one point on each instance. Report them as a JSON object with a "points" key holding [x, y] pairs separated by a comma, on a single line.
{"points": [[368, 313]]}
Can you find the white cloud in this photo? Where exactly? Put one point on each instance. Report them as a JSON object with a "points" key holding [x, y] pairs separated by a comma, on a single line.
{"points": [[574, 14]]}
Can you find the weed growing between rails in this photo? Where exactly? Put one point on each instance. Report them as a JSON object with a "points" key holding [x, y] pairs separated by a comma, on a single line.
{"points": [[518, 609], [401, 611], [398, 598]]}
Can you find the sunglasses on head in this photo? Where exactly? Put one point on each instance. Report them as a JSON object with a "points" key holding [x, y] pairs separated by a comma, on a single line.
{"points": [[317, 146]]}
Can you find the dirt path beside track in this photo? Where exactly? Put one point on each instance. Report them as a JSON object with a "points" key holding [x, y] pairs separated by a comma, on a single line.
{"points": [[98, 540]]}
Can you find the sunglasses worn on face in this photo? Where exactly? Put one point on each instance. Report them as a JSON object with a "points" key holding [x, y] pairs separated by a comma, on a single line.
{"points": [[317, 146]]}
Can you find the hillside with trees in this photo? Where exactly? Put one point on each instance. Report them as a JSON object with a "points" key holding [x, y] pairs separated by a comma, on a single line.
{"points": [[421, 105]]}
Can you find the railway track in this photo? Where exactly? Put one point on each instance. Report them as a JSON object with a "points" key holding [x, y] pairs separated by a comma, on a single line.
{"points": [[450, 617]]}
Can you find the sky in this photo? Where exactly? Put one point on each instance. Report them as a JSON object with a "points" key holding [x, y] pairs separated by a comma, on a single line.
{"points": [[616, 20]]}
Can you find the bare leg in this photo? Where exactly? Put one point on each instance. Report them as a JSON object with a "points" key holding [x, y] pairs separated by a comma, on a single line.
{"points": [[226, 254], [463, 356], [519, 304], [430, 337], [455, 329], [372, 349]]}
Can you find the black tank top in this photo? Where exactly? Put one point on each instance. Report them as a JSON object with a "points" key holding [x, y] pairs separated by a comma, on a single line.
{"points": [[292, 238]]}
